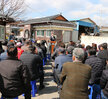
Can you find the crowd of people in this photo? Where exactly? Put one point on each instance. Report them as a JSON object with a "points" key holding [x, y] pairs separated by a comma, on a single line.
{"points": [[21, 62], [75, 68]]}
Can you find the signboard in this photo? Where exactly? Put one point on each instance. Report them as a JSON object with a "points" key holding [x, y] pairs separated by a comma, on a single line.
{"points": [[2, 33]]}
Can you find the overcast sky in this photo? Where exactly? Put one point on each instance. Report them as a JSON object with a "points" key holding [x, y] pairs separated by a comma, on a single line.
{"points": [[97, 10]]}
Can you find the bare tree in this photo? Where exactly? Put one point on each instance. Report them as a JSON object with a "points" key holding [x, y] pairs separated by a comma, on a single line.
{"points": [[11, 8]]}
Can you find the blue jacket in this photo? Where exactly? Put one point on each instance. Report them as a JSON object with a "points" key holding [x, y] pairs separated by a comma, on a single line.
{"points": [[60, 60]]}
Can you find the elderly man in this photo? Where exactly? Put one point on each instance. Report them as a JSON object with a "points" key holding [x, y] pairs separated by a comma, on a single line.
{"points": [[59, 61], [75, 77], [69, 52]]}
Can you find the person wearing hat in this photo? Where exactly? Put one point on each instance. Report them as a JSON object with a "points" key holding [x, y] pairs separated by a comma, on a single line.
{"points": [[75, 77], [20, 51]]}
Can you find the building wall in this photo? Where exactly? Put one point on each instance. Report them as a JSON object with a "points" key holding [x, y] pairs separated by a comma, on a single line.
{"points": [[59, 35], [88, 40], [75, 36], [41, 37]]}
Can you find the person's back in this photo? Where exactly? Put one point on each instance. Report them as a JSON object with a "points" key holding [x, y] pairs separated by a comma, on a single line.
{"points": [[69, 52], [104, 84], [97, 68], [34, 64], [32, 61], [103, 53], [59, 61], [75, 78], [96, 72], [15, 76]]}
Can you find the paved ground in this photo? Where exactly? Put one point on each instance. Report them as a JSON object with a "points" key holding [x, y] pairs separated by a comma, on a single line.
{"points": [[50, 90]]}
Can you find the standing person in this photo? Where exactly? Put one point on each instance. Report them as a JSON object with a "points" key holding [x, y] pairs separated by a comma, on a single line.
{"points": [[34, 64], [48, 49], [52, 37], [75, 77], [20, 51], [14, 76], [39, 50], [25, 46], [96, 72], [12, 37], [44, 50], [103, 53]]}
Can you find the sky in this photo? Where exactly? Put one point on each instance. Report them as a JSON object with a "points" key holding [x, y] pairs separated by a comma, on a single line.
{"points": [[97, 10]]}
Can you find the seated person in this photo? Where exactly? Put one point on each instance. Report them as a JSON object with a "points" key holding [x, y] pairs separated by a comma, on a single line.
{"points": [[34, 64], [75, 77], [14, 76]]}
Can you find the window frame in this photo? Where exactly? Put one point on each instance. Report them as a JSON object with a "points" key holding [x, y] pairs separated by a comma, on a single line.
{"points": [[40, 34], [48, 31]]}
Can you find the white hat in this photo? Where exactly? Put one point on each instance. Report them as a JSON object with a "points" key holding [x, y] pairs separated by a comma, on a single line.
{"points": [[19, 44], [38, 42]]}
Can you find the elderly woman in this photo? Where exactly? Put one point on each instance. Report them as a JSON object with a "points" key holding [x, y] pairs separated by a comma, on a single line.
{"points": [[75, 77]]}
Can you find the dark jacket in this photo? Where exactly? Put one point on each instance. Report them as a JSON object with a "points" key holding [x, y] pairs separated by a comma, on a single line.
{"points": [[75, 85], [52, 38], [97, 68], [104, 82], [103, 55], [44, 50], [14, 79], [34, 64]]}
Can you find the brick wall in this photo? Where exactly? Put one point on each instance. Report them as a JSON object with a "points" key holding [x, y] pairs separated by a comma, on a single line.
{"points": [[59, 35]]}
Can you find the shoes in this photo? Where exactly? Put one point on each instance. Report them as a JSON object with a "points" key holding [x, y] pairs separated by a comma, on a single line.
{"points": [[41, 87]]}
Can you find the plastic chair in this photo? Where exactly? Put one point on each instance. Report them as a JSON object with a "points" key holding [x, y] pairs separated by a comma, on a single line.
{"points": [[91, 91], [43, 62], [34, 88]]}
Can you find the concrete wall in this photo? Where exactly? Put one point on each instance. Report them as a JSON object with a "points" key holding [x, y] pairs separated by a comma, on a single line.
{"points": [[88, 40], [75, 35]]}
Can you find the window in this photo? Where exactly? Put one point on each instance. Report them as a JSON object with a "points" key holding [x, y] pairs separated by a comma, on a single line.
{"points": [[48, 33], [40, 32], [26, 34], [2, 32]]}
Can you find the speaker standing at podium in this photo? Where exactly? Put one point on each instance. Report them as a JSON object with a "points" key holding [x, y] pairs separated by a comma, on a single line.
{"points": [[52, 37]]}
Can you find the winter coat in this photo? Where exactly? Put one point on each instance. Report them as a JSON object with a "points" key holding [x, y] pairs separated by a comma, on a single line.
{"points": [[34, 64], [14, 78], [103, 55], [97, 68], [76, 77], [104, 82]]}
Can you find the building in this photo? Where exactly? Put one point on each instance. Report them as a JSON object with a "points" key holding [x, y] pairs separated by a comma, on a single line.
{"points": [[14, 27], [2, 28], [86, 26], [40, 28], [3, 22]]}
